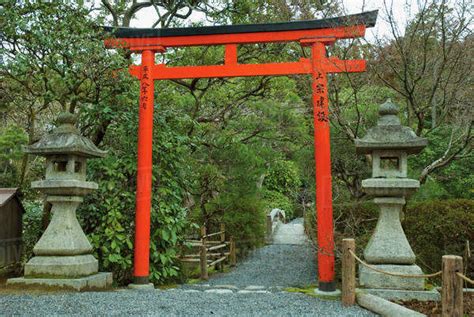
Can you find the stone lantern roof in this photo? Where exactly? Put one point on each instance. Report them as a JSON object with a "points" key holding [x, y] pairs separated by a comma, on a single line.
{"points": [[65, 139], [389, 134]]}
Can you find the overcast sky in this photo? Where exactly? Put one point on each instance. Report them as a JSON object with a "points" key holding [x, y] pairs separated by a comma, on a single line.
{"points": [[401, 10]]}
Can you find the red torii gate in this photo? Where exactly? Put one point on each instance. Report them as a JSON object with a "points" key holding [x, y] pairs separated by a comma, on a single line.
{"points": [[315, 33]]}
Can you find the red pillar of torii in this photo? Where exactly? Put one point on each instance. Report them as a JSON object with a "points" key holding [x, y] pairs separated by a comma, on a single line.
{"points": [[315, 33]]}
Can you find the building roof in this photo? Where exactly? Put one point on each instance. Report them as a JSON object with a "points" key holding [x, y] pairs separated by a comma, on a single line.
{"points": [[6, 194], [365, 18]]}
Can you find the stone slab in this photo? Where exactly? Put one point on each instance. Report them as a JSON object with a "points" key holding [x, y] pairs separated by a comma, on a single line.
{"points": [[231, 287], [403, 295], [246, 291], [61, 266], [394, 187], [255, 288], [371, 279], [67, 187], [219, 291], [97, 281], [384, 307], [330, 295], [142, 287]]}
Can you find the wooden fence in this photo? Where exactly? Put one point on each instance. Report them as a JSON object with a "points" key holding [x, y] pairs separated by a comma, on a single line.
{"points": [[211, 249], [452, 279]]}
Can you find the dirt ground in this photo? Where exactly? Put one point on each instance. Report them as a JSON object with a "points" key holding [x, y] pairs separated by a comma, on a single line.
{"points": [[433, 309]]}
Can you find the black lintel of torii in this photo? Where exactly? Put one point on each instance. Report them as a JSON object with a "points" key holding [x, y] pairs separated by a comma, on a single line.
{"points": [[365, 18]]}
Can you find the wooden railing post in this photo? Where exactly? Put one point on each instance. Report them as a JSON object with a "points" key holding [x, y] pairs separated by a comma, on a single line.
{"points": [[348, 272], [269, 228], [203, 254], [451, 294], [233, 257], [222, 230]]}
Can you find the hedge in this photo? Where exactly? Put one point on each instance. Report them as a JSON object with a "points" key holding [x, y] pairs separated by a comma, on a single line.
{"points": [[434, 228]]}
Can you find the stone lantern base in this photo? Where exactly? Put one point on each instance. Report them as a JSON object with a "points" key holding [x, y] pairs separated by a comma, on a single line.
{"points": [[63, 255], [98, 281], [388, 250], [372, 279], [62, 266]]}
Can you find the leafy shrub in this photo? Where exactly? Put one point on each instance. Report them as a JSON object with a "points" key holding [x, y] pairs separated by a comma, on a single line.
{"points": [[433, 228], [283, 177], [355, 220], [243, 216], [274, 199], [108, 214], [439, 227], [282, 184], [431, 190], [32, 227], [245, 221], [11, 140], [351, 220]]}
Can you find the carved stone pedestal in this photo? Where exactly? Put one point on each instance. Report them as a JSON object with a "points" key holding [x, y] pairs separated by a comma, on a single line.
{"points": [[63, 255], [389, 250]]}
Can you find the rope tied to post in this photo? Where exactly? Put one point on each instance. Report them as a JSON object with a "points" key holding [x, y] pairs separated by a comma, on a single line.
{"points": [[464, 277], [390, 273]]}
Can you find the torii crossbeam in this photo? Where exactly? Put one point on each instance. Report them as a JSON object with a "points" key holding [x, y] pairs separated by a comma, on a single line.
{"points": [[315, 33]]}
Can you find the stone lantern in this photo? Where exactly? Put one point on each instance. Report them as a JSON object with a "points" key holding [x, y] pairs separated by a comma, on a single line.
{"points": [[63, 255], [389, 143]]}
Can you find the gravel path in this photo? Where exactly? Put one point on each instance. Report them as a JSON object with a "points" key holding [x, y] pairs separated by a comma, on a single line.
{"points": [[173, 303], [291, 233], [290, 262], [254, 288]]}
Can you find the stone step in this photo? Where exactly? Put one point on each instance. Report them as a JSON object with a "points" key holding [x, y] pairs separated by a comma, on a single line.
{"points": [[227, 289]]}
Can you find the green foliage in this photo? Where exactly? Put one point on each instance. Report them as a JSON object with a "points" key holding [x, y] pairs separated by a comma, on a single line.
{"points": [[229, 193], [433, 228], [32, 228], [355, 220], [282, 186], [352, 220], [245, 221], [53, 55], [453, 181], [108, 214], [12, 138], [362, 112], [274, 199], [283, 177], [243, 215], [440, 227], [431, 190]]}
